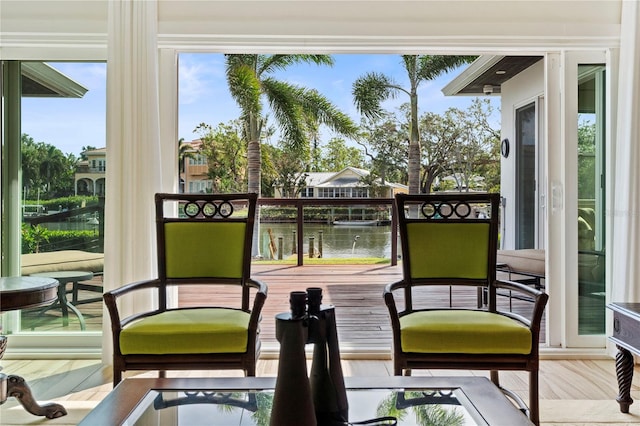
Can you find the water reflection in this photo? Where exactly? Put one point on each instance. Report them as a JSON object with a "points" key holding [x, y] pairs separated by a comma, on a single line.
{"points": [[337, 241]]}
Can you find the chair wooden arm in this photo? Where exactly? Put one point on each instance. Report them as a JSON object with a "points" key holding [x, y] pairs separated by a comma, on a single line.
{"points": [[388, 293], [258, 302], [539, 298], [111, 297], [393, 309]]}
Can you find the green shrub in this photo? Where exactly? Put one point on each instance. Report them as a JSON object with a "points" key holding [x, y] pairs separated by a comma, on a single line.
{"points": [[39, 239], [66, 203]]}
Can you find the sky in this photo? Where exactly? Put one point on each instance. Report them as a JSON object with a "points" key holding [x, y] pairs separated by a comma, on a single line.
{"points": [[71, 124]]}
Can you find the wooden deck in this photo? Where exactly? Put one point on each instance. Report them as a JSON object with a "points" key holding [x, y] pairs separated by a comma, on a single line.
{"points": [[354, 290]]}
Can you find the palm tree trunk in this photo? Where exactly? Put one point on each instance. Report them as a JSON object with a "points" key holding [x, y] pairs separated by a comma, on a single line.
{"points": [[253, 164], [253, 184], [414, 167], [414, 145]]}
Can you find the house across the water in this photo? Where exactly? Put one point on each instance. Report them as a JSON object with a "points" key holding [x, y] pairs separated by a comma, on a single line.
{"points": [[349, 182]]}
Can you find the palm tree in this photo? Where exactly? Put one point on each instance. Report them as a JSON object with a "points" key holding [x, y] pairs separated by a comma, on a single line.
{"points": [[297, 110], [185, 150], [370, 90]]}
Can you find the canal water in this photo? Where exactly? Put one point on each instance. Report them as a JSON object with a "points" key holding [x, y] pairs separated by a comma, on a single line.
{"points": [[338, 241]]}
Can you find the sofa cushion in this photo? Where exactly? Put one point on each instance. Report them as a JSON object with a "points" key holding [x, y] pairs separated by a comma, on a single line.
{"points": [[64, 260], [526, 261]]}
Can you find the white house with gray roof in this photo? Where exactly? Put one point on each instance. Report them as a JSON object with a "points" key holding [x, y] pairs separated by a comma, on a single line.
{"points": [[347, 183]]}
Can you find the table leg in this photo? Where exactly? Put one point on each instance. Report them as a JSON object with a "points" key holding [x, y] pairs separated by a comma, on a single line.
{"points": [[65, 306], [75, 311], [62, 300], [624, 372], [17, 387]]}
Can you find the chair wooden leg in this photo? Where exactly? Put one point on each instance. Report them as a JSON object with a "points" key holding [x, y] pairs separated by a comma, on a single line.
{"points": [[534, 401], [495, 377], [251, 370], [162, 374], [117, 375], [397, 367]]}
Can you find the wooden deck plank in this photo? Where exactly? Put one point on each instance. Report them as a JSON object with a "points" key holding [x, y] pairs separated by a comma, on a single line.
{"points": [[355, 291]]}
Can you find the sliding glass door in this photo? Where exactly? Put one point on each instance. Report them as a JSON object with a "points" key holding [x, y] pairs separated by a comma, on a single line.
{"points": [[591, 191], [526, 137], [53, 188]]}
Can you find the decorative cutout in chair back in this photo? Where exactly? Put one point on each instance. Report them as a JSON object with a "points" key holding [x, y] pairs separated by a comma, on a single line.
{"points": [[210, 237], [448, 235]]}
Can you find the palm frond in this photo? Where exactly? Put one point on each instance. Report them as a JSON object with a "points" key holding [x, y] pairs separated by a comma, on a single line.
{"points": [[244, 85], [283, 99], [281, 62], [430, 67], [370, 90], [320, 110]]}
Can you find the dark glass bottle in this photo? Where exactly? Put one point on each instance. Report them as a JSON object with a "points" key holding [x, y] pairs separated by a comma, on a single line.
{"points": [[292, 400], [326, 379]]}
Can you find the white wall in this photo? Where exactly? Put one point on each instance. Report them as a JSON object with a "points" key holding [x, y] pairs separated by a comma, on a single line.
{"points": [[67, 30], [521, 90], [64, 29]]}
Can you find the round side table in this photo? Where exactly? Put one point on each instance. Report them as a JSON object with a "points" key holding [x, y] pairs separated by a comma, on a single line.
{"points": [[64, 277]]}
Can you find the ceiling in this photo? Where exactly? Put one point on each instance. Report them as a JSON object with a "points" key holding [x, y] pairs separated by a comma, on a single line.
{"points": [[42, 80], [488, 71]]}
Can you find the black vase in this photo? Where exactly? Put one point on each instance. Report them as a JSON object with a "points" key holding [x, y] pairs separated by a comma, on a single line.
{"points": [[292, 401], [326, 378]]}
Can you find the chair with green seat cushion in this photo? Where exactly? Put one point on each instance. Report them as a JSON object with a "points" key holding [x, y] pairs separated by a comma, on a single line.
{"points": [[206, 243], [445, 243]]}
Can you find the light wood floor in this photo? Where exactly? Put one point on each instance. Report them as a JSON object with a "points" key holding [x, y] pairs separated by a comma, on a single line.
{"points": [[362, 320], [572, 392], [559, 379]]}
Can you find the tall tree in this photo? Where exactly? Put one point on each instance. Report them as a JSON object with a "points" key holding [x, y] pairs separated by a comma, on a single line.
{"points": [[296, 110], [384, 142], [370, 90], [461, 144], [225, 151], [185, 150], [46, 171], [83, 153], [337, 155], [287, 167]]}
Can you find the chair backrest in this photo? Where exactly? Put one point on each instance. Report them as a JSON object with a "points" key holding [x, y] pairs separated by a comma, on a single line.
{"points": [[448, 238], [208, 240]]}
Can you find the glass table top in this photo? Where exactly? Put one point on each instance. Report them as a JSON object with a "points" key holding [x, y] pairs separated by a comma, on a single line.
{"points": [[415, 407]]}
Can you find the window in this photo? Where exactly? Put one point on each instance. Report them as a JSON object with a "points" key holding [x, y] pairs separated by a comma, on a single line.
{"points": [[359, 192], [200, 186], [58, 117], [591, 208], [198, 160], [525, 176]]}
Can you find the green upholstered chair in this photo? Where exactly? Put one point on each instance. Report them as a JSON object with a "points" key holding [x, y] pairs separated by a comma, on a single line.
{"points": [[206, 243], [446, 243]]}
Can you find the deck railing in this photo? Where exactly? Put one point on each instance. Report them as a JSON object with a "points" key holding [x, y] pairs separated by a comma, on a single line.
{"points": [[301, 203]]}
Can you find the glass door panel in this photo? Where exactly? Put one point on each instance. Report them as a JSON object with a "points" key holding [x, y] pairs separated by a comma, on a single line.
{"points": [[591, 232], [526, 177], [60, 109]]}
